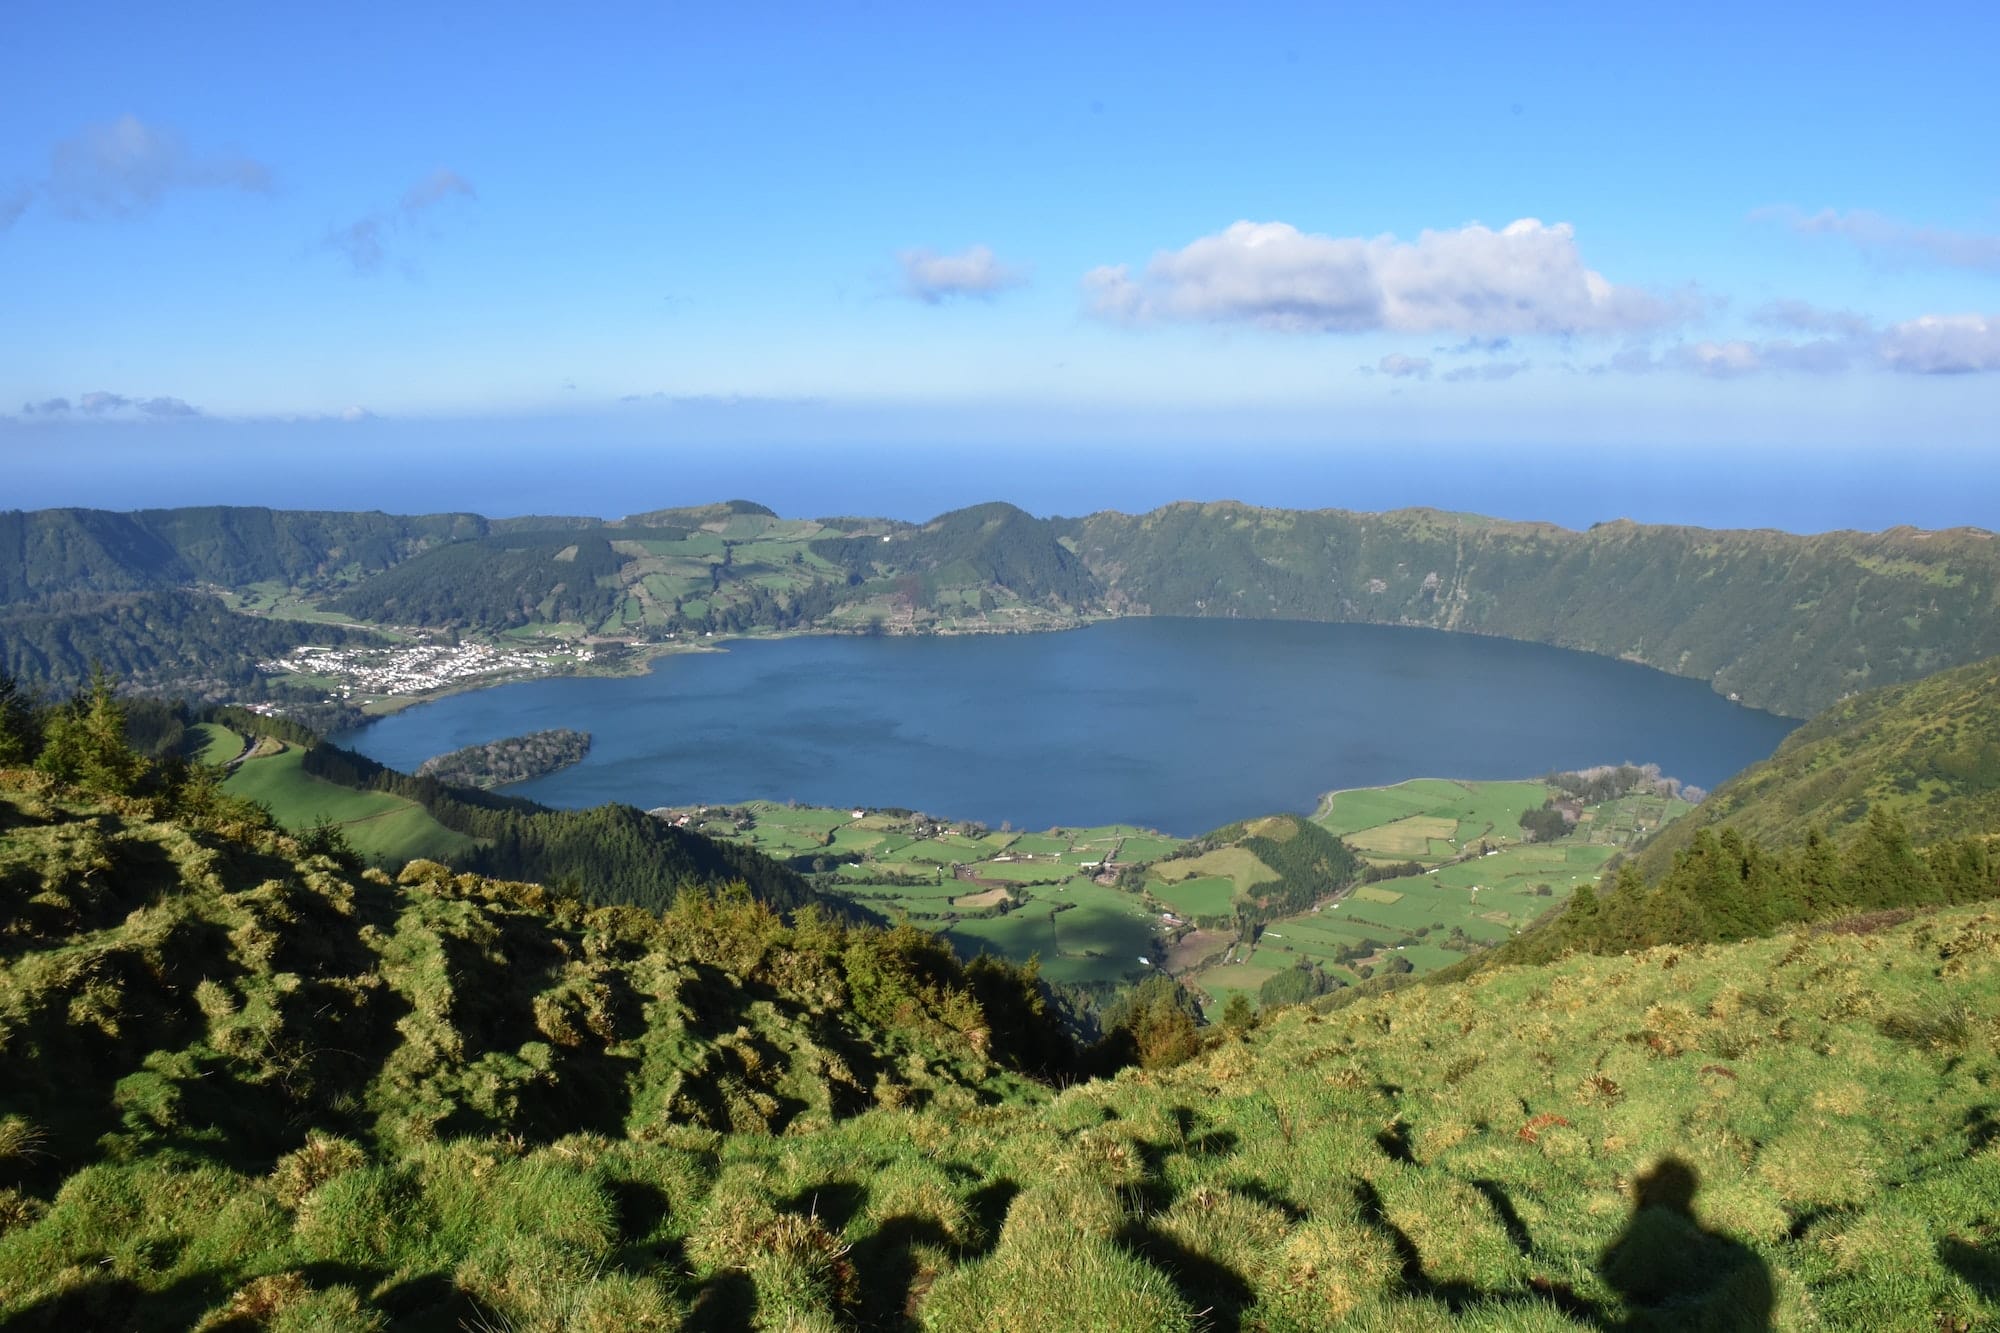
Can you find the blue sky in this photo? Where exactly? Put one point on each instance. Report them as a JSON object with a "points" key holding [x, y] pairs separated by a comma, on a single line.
{"points": [[1312, 239]]}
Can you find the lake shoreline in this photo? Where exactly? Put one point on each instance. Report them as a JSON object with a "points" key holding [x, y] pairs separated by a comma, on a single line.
{"points": [[1141, 706]]}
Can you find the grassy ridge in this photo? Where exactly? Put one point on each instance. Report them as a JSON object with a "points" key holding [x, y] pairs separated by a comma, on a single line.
{"points": [[382, 828], [237, 1086], [1927, 752]]}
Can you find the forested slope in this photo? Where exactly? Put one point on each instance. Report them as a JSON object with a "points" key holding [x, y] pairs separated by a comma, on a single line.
{"points": [[184, 642], [1927, 752], [50, 551], [1789, 623]]}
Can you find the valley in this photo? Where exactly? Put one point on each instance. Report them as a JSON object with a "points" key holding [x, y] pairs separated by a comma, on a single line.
{"points": [[294, 1039]]}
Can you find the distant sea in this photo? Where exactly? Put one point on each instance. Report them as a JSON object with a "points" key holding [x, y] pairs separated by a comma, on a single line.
{"points": [[526, 467]]}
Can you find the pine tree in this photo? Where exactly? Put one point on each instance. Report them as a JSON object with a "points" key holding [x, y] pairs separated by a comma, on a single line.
{"points": [[17, 723], [85, 742], [1882, 868]]}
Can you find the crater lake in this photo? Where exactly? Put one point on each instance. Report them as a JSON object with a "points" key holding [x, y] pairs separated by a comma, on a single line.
{"points": [[1180, 725]]}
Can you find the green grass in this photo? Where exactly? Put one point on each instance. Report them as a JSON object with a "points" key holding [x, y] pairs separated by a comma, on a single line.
{"points": [[1207, 895], [1516, 884], [381, 827], [240, 1090], [1413, 837], [1024, 872], [1419, 819], [212, 743], [1236, 864], [1100, 933], [1145, 847]]}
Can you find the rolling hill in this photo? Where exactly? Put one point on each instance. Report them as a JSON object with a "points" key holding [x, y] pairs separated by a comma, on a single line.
{"points": [[1785, 622], [1927, 751]]}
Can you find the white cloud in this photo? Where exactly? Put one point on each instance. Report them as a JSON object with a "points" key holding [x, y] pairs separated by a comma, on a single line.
{"points": [[1719, 360], [1809, 318], [1488, 371], [124, 168], [1401, 367], [1488, 346], [1731, 358], [167, 407], [1527, 278], [931, 277], [1927, 345], [1943, 345], [1888, 238], [104, 403], [367, 241]]}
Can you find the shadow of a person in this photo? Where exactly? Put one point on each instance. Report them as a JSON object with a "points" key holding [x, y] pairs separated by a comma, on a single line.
{"points": [[1675, 1273]]}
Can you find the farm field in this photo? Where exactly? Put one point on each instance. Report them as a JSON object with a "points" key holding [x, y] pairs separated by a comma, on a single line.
{"points": [[1428, 819], [384, 829], [1016, 894], [1457, 899], [1025, 894]]}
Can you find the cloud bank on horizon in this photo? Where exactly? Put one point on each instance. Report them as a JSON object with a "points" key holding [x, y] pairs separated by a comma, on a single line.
{"points": [[686, 209]]}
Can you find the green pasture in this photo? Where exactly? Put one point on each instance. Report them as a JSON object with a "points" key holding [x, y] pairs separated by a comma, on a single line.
{"points": [[1411, 838], [1380, 819], [1205, 895], [1234, 978], [1345, 812], [1145, 847], [212, 743], [856, 838], [1237, 864], [381, 827], [1024, 872]]}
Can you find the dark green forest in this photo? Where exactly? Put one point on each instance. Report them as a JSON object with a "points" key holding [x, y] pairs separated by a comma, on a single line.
{"points": [[185, 643], [512, 759]]}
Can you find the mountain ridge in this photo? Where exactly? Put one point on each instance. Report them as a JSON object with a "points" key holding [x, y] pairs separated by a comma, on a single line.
{"points": [[1782, 621]]}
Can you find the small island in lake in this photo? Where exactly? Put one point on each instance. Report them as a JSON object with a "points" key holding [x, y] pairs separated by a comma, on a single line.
{"points": [[514, 759]]}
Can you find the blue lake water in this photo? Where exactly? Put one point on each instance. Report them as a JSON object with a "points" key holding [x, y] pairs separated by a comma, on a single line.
{"points": [[1181, 725]]}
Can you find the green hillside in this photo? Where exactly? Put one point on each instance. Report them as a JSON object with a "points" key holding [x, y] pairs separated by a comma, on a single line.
{"points": [[1790, 623], [1927, 751], [240, 1088], [380, 827], [184, 643], [51, 551], [1786, 622]]}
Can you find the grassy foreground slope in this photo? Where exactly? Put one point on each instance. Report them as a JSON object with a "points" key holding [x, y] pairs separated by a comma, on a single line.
{"points": [[1927, 751], [242, 1088]]}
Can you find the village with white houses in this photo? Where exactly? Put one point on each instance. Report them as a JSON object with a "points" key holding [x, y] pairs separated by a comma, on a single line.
{"points": [[412, 669]]}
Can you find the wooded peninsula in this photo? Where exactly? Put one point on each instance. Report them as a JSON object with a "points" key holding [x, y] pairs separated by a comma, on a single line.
{"points": [[510, 760]]}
